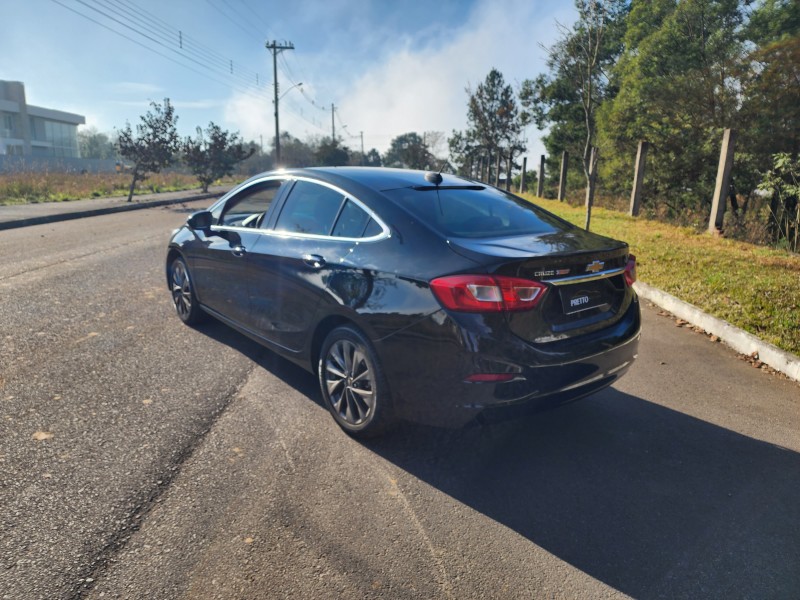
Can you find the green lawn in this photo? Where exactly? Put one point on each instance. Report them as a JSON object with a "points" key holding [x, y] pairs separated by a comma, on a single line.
{"points": [[752, 287]]}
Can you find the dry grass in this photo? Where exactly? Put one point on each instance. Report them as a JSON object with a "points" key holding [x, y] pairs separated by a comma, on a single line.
{"points": [[752, 287], [30, 187]]}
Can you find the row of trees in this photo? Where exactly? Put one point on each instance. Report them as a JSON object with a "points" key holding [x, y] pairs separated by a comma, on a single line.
{"points": [[154, 144], [674, 73]]}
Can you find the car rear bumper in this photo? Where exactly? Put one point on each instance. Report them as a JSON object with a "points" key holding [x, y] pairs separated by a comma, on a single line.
{"points": [[428, 382]]}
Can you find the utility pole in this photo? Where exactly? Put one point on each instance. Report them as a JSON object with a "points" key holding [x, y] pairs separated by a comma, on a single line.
{"points": [[333, 125], [362, 147], [276, 47]]}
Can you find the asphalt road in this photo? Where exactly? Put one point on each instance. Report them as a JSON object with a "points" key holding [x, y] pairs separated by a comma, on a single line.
{"points": [[140, 458]]}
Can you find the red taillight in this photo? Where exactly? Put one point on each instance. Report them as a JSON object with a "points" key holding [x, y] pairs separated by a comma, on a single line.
{"points": [[630, 270], [487, 293]]}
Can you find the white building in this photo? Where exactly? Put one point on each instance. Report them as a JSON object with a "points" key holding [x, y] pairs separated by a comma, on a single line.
{"points": [[27, 130]]}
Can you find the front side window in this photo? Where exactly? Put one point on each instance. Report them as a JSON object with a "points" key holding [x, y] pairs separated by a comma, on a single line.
{"points": [[248, 207]]}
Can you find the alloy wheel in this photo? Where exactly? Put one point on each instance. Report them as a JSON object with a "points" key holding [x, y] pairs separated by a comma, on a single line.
{"points": [[350, 382], [181, 290]]}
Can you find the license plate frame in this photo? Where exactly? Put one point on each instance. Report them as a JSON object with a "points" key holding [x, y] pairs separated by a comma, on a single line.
{"points": [[577, 299]]}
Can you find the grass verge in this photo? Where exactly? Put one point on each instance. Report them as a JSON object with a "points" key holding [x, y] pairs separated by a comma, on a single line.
{"points": [[31, 187], [752, 287]]}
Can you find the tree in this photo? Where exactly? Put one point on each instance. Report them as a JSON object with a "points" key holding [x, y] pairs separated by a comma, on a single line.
{"points": [[466, 153], [769, 80], [568, 98], [331, 154], [494, 120], [94, 144], [677, 90], [372, 158], [214, 154], [408, 151], [773, 20], [782, 182], [296, 153], [155, 144]]}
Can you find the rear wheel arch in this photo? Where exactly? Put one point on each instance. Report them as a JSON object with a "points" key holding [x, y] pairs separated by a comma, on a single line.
{"points": [[172, 254], [322, 330]]}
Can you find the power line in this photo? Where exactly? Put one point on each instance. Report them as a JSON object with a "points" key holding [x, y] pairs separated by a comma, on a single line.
{"points": [[173, 33], [153, 50], [258, 16], [176, 41], [257, 34]]}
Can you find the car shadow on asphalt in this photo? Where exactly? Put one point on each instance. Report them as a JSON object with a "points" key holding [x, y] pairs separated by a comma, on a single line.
{"points": [[290, 373], [653, 502], [650, 501]]}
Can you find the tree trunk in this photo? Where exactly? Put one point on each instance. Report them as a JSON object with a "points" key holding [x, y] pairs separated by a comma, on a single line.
{"points": [[133, 183]]}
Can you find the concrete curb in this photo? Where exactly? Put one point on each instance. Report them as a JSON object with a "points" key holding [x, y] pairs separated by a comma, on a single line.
{"points": [[106, 210], [741, 341]]}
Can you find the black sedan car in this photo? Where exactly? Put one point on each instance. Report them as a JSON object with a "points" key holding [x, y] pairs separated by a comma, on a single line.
{"points": [[412, 295]]}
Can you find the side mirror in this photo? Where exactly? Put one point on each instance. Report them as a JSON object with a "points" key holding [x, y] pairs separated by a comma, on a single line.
{"points": [[200, 220]]}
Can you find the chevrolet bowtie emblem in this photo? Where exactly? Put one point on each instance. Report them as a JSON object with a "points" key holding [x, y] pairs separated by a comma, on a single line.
{"points": [[595, 266]]}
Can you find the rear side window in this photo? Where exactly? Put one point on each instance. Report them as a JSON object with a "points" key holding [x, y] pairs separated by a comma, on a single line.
{"points": [[473, 213], [351, 222], [310, 208]]}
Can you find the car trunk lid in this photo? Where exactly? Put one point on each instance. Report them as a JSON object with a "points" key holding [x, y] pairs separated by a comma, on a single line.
{"points": [[584, 273]]}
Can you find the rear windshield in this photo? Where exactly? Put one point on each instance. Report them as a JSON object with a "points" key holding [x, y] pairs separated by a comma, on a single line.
{"points": [[473, 213]]}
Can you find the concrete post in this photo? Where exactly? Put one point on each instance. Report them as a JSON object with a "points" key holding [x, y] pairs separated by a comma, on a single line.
{"points": [[522, 184], [638, 178], [509, 165], [540, 187], [562, 178], [590, 186], [723, 181]]}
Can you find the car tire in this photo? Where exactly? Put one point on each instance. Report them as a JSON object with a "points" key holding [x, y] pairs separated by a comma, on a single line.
{"points": [[353, 384], [183, 297]]}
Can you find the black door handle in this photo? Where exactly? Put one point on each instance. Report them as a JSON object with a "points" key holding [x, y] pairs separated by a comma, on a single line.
{"points": [[315, 261]]}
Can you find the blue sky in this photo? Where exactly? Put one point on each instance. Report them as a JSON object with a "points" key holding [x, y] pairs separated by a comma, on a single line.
{"points": [[389, 67]]}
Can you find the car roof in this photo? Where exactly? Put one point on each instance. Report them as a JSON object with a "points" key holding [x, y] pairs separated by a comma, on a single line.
{"points": [[375, 178]]}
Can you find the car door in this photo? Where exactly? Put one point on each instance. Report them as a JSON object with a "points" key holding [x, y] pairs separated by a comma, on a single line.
{"points": [[296, 260], [223, 265]]}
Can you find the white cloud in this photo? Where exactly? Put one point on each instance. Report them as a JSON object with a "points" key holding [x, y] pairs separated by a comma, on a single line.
{"points": [[415, 86], [420, 89], [250, 116]]}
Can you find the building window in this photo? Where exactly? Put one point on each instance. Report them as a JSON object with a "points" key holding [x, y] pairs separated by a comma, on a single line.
{"points": [[7, 126], [64, 138]]}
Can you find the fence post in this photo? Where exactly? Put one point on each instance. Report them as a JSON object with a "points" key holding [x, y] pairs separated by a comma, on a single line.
{"points": [[562, 178], [540, 187], [590, 186], [638, 178], [522, 184], [723, 181], [509, 162]]}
